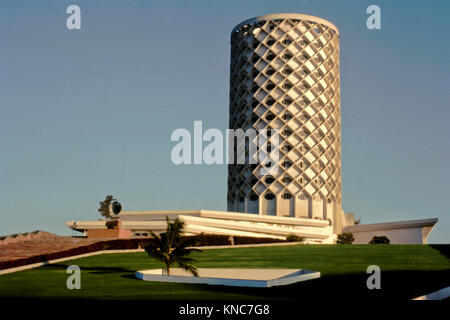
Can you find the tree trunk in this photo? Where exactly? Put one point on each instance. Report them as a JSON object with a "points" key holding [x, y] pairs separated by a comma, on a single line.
{"points": [[166, 270]]}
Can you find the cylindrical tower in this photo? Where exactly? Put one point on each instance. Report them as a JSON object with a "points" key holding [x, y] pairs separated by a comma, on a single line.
{"points": [[285, 75]]}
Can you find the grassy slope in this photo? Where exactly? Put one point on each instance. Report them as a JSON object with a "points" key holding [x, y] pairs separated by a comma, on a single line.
{"points": [[407, 271]]}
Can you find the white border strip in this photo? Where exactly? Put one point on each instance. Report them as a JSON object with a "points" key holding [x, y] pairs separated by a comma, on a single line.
{"points": [[437, 295]]}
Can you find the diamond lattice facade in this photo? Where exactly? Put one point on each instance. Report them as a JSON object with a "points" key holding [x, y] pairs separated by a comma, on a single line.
{"points": [[285, 76]]}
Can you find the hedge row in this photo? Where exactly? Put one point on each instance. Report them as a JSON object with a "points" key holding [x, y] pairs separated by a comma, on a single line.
{"points": [[136, 243]]}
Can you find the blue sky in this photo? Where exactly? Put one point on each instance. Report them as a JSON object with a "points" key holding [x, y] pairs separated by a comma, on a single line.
{"points": [[90, 112]]}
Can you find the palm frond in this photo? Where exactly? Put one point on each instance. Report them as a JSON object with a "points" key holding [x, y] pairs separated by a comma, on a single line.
{"points": [[169, 247]]}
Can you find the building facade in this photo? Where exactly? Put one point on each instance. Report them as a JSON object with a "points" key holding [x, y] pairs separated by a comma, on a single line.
{"points": [[285, 76]]}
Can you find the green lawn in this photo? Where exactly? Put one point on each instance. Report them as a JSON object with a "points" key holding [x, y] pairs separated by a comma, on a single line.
{"points": [[407, 271]]}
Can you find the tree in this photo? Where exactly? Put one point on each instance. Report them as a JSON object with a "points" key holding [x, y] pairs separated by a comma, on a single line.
{"points": [[170, 248], [345, 238], [104, 206], [380, 240], [294, 238]]}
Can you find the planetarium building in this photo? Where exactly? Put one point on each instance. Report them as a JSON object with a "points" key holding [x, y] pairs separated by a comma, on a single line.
{"points": [[284, 78]]}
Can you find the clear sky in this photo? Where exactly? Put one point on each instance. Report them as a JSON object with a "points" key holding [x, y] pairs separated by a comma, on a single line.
{"points": [[85, 113]]}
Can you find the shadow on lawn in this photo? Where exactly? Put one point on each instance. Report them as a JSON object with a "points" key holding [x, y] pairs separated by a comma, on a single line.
{"points": [[444, 249], [402, 284], [396, 285], [94, 270]]}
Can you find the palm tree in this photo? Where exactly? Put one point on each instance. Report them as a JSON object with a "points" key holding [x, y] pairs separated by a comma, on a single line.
{"points": [[169, 247]]}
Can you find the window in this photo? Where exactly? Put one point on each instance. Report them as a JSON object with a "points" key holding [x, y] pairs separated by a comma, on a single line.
{"points": [[286, 179], [287, 41], [287, 71], [270, 86], [287, 164], [270, 56], [286, 196], [269, 196], [287, 85], [287, 116], [287, 132], [287, 56], [270, 116], [269, 180], [287, 147], [303, 196], [270, 72], [253, 197], [270, 102], [287, 101]]}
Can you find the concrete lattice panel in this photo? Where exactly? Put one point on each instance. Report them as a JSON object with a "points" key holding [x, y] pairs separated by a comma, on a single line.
{"points": [[285, 75]]}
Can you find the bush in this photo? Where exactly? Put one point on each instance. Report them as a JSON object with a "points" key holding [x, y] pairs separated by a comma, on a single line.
{"points": [[111, 224], [2, 238], [294, 238], [380, 240], [222, 240], [345, 238]]}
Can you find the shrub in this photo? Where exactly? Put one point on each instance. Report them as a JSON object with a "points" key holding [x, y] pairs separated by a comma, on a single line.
{"points": [[13, 235], [380, 240], [294, 238], [111, 224], [2, 238], [345, 238], [35, 231]]}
